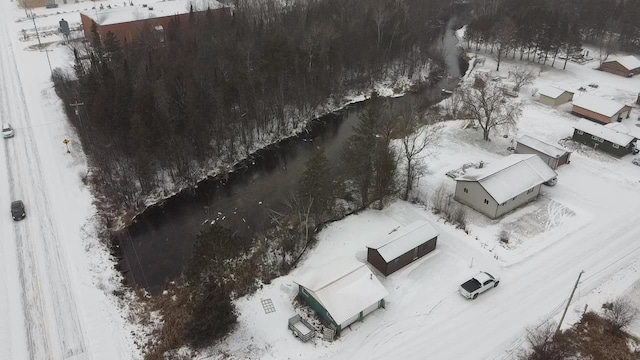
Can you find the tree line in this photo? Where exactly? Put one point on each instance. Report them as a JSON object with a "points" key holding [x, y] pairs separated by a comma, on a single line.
{"points": [[221, 86], [548, 28]]}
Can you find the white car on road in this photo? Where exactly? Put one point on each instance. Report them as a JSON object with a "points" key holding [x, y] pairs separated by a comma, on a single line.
{"points": [[478, 284]]}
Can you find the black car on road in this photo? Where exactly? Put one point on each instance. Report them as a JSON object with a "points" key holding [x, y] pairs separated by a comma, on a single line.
{"points": [[17, 210]]}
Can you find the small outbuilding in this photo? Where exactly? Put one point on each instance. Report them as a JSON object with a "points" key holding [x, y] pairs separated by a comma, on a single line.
{"points": [[503, 185], [624, 66], [600, 109], [402, 247], [604, 138], [553, 96], [553, 155], [342, 292]]}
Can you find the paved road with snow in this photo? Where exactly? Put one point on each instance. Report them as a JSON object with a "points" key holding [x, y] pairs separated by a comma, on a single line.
{"points": [[51, 323], [49, 305]]}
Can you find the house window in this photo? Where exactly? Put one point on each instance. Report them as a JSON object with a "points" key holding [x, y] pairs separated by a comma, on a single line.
{"points": [[502, 204], [615, 146], [597, 139], [486, 201], [530, 191], [466, 190], [514, 198], [579, 132]]}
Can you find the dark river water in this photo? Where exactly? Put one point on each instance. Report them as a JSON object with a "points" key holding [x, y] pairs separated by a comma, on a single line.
{"points": [[160, 240]]}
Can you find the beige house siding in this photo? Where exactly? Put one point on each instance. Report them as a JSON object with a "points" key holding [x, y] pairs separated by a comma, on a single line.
{"points": [[475, 196], [518, 201], [564, 98]]}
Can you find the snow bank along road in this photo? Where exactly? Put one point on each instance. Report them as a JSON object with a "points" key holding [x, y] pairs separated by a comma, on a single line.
{"points": [[50, 315]]}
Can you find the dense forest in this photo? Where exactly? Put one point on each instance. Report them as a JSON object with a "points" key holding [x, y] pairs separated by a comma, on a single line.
{"points": [[219, 87], [547, 28]]}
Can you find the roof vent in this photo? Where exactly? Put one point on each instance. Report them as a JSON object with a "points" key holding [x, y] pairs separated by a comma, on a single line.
{"points": [[150, 8]]}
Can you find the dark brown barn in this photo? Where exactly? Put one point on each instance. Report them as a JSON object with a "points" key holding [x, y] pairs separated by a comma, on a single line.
{"points": [[403, 247], [625, 66], [128, 23]]}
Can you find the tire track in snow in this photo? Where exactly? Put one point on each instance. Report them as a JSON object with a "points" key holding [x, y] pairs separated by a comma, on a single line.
{"points": [[52, 324]]}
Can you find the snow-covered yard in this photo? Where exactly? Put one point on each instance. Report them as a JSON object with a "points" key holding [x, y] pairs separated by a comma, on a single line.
{"points": [[588, 221]]}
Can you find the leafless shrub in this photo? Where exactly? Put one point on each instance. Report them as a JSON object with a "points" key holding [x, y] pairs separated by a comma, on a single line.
{"points": [[440, 199], [544, 343], [451, 211], [620, 314], [504, 236]]}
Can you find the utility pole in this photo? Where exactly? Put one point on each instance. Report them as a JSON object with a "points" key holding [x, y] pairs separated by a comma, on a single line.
{"points": [[569, 301], [35, 27]]}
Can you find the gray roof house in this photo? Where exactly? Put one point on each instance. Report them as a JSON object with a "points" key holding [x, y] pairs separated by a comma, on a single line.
{"points": [[553, 155], [503, 185], [553, 96]]}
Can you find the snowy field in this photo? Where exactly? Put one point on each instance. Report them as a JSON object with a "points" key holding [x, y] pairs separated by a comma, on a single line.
{"points": [[588, 221]]}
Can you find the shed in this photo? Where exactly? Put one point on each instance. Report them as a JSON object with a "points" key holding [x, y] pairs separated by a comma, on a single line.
{"points": [[624, 66], [600, 109], [603, 138], [341, 292], [553, 155], [553, 96], [402, 247], [503, 185], [128, 23]]}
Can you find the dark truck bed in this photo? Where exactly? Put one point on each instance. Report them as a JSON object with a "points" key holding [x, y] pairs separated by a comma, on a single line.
{"points": [[471, 285]]}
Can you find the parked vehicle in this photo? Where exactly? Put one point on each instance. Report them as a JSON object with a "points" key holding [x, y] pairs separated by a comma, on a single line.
{"points": [[552, 182], [636, 161], [478, 284], [17, 210], [7, 131]]}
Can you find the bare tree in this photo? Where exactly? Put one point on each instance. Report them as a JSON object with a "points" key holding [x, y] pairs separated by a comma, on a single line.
{"points": [[620, 314], [421, 133], [489, 107], [521, 76], [504, 35], [607, 46]]}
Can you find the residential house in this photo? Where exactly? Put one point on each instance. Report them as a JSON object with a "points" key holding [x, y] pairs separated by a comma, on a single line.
{"points": [[341, 292], [604, 138], [553, 155], [600, 109], [624, 66], [553, 96], [402, 247], [503, 185]]}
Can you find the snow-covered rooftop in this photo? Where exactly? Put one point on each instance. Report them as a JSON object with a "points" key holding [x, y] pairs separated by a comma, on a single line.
{"points": [[598, 105], [117, 15], [511, 176], [405, 239], [552, 91], [601, 131], [541, 146], [344, 287], [620, 127], [630, 62]]}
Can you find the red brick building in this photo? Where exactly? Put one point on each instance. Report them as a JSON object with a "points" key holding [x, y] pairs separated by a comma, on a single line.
{"points": [[129, 22]]}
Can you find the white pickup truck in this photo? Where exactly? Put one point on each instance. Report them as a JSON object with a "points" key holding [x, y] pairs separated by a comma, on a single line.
{"points": [[478, 284]]}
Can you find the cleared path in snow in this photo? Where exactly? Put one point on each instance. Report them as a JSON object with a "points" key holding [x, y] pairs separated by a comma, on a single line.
{"points": [[50, 315]]}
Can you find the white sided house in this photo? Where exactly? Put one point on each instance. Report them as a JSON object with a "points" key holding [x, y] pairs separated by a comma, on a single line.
{"points": [[503, 185], [342, 292], [553, 96], [553, 155]]}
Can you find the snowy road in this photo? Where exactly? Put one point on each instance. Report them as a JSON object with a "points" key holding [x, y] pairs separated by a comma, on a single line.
{"points": [[50, 306], [50, 313]]}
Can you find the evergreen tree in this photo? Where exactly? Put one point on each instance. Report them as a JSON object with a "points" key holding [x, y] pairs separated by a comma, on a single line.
{"points": [[315, 187]]}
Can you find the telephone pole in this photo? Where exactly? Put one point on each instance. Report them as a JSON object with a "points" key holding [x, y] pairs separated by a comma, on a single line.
{"points": [[569, 301]]}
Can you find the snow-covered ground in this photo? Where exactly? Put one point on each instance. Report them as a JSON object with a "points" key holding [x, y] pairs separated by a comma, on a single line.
{"points": [[55, 278], [588, 221]]}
